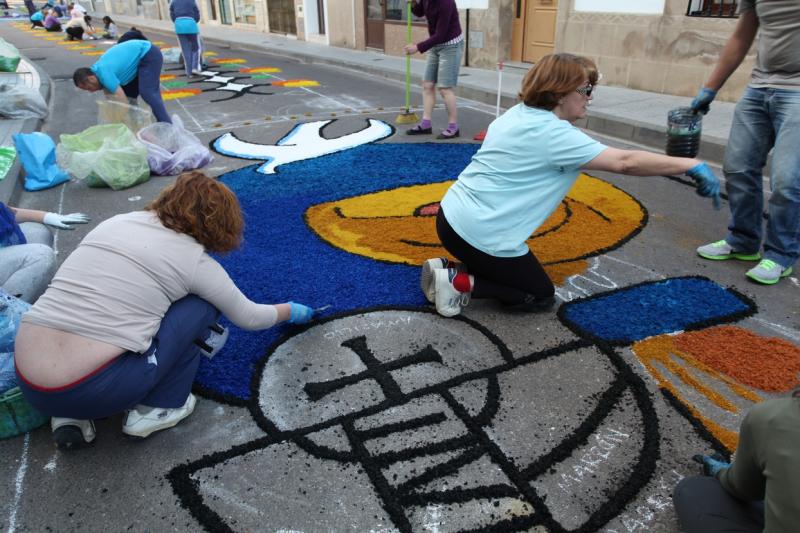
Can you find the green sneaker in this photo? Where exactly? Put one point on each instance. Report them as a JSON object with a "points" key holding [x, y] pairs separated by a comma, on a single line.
{"points": [[768, 272], [721, 250]]}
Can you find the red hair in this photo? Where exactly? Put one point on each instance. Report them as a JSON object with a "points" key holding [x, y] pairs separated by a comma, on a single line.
{"points": [[203, 208]]}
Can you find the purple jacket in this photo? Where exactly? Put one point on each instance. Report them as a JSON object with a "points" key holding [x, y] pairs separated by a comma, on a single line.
{"points": [[443, 23]]}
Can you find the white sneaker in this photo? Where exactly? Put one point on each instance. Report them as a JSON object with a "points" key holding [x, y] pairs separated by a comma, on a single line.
{"points": [[449, 300], [71, 433], [142, 421]]}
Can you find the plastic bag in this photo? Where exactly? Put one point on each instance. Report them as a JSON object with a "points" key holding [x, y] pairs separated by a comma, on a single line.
{"points": [[37, 152], [7, 156], [18, 101], [9, 57], [114, 112], [11, 311], [105, 155], [171, 55], [171, 149]]}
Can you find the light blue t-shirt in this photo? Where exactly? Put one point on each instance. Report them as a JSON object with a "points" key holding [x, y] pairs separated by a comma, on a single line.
{"points": [[37, 16], [186, 26], [523, 171], [119, 65]]}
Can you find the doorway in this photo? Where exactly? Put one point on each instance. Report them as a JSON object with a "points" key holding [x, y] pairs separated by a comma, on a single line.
{"points": [[533, 33], [224, 12], [281, 17], [375, 15]]}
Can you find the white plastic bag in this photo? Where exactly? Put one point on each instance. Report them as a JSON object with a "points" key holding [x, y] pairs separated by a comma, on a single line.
{"points": [[171, 149], [18, 101], [114, 112], [171, 55]]}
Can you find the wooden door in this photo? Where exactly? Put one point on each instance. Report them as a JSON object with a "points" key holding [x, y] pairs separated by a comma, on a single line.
{"points": [[539, 36], [375, 14], [281, 16]]}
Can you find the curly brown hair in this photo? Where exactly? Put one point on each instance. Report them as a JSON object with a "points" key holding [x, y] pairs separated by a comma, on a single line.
{"points": [[203, 208], [555, 76]]}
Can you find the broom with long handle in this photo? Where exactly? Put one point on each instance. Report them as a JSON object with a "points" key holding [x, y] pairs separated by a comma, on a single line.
{"points": [[408, 117]]}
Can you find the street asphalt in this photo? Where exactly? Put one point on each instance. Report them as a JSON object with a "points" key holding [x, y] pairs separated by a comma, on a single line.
{"points": [[390, 417]]}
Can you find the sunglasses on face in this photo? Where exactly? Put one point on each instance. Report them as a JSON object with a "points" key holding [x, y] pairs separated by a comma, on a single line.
{"points": [[585, 91]]}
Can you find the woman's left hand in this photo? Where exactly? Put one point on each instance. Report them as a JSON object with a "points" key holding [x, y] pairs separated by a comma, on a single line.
{"points": [[410, 49]]}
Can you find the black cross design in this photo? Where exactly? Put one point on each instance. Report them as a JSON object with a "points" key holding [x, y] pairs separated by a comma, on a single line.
{"points": [[380, 372]]}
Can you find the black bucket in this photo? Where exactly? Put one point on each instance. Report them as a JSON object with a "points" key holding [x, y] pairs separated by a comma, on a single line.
{"points": [[683, 132]]}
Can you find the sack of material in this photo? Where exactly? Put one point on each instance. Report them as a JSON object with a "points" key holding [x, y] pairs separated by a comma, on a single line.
{"points": [[37, 152], [171, 149], [114, 112], [9, 57], [11, 311], [7, 156], [18, 101], [107, 155], [171, 55]]}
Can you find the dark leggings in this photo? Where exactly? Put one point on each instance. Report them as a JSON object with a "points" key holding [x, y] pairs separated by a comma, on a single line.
{"points": [[75, 32], [36, 24], [147, 83], [54, 27], [704, 506], [511, 280]]}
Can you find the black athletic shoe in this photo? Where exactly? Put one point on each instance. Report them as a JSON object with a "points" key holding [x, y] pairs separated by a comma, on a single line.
{"points": [[72, 434]]}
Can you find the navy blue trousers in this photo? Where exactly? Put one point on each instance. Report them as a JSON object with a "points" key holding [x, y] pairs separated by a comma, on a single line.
{"points": [[147, 83], [162, 376]]}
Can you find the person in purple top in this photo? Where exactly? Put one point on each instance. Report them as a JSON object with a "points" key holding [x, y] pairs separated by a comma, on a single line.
{"points": [[445, 46], [51, 22]]}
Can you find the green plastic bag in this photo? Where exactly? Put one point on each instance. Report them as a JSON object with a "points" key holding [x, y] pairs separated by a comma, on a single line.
{"points": [[108, 155], [7, 156], [9, 57]]}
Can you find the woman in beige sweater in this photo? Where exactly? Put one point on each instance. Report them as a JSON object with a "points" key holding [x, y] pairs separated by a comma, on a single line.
{"points": [[116, 329]]}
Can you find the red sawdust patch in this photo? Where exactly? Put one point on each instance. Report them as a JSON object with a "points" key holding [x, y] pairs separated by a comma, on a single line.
{"points": [[764, 363]]}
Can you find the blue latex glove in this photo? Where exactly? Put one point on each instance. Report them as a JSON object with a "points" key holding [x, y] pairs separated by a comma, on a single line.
{"points": [[300, 314], [702, 102], [712, 464], [707, 182]]}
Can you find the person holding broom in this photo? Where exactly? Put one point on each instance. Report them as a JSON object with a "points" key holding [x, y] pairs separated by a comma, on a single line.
{"points": [[444, 47], [530, 159]]}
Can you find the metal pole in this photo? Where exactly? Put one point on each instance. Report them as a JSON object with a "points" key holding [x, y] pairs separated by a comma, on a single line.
{"points": [[466, 45], [499, 87]]}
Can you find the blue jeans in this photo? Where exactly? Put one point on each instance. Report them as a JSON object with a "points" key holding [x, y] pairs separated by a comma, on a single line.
{"points": [[765, 119], [162, 376]]}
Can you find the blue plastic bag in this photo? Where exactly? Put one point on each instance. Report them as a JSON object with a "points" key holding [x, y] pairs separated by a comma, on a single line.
{"points": [[37, 152], [11, 311]]}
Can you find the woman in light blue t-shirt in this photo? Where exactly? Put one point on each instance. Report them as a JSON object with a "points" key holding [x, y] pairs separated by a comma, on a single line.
{"points": [[530, 159]]}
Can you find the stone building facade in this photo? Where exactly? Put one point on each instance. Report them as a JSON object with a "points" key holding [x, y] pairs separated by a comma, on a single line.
{"points": [[667, 46]]}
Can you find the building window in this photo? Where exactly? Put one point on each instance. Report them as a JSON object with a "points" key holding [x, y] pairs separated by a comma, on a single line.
{"points": [[396, 10], [244, 11], [712, 8]]}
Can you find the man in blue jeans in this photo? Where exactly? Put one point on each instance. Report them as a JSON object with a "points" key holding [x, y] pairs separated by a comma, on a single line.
{"points": [[767, 117], [127, 70]]}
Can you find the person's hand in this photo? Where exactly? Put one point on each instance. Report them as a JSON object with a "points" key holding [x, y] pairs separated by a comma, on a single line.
{"points": [[702, 102], [711, 464], [300, 314], [707, 182], [65, 221], [410, 49]]}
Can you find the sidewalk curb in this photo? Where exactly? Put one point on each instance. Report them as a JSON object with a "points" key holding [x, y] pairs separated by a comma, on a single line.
{"points": [[12, 185]]}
